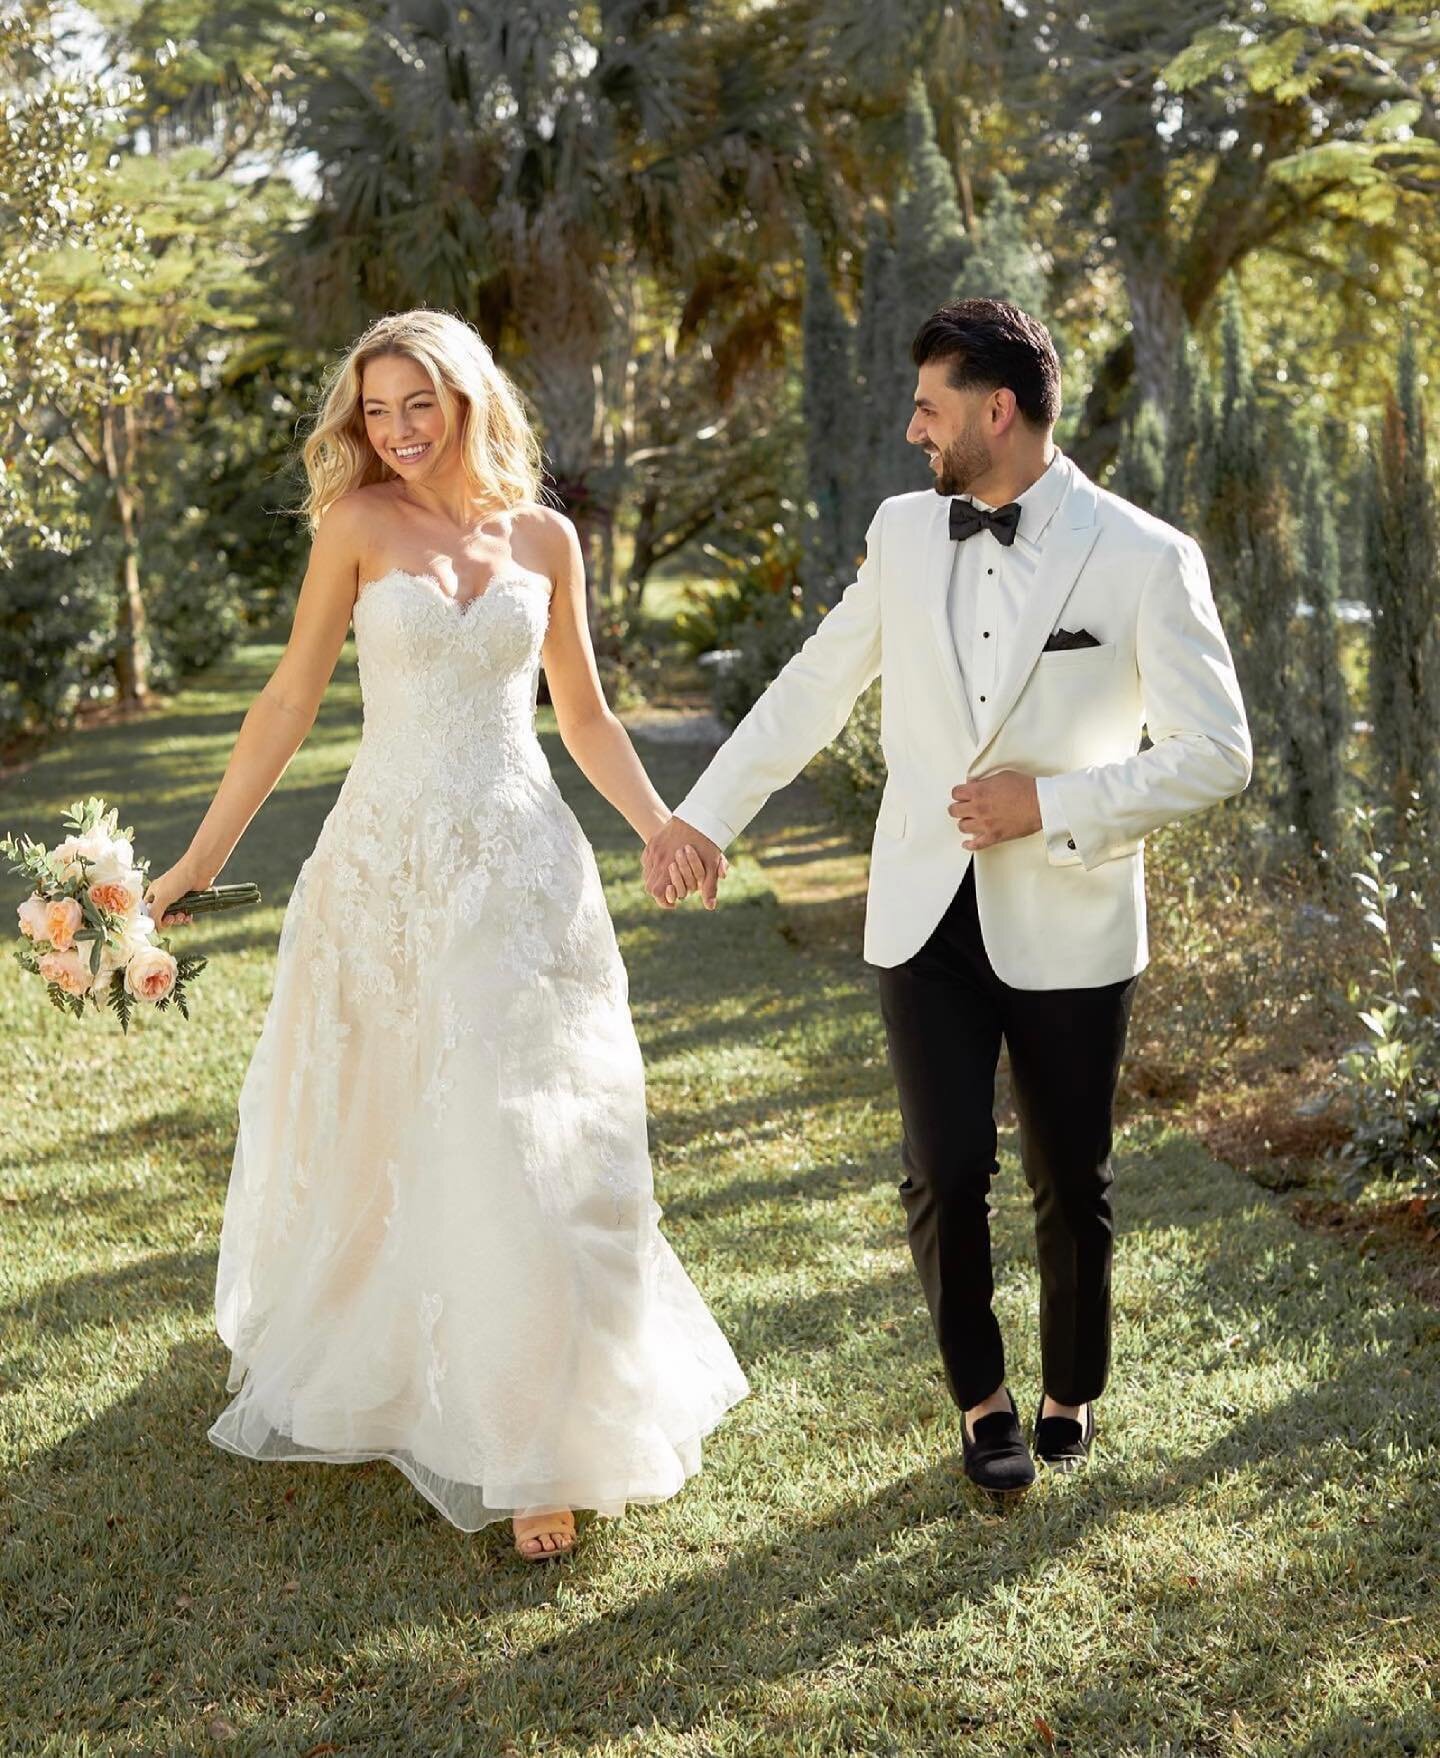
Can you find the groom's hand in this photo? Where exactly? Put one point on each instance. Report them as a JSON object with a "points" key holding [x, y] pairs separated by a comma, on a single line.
{"points": [[997, 808], [678, 860]]}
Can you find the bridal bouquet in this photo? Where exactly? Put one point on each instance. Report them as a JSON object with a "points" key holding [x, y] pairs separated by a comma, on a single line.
{"points": [[88, 933]]}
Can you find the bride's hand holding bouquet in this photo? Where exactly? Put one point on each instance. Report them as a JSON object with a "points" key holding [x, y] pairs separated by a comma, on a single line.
{"points": [[89, 926]]}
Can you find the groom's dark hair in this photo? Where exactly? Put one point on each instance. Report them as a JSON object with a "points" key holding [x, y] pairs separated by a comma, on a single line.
{"points": [[992, 345]]}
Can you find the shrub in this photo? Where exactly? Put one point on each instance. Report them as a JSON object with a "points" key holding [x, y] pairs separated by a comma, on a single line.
{"points": [[1393, 1079], [758, 619], [850, 773], [196, 612], [57, 636]]}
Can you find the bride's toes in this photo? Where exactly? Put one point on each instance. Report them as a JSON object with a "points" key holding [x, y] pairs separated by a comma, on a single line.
{"points": [[539, 1536]]}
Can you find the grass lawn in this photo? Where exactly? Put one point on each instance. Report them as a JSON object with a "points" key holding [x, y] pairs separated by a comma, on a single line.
{"points": [[1248, 1567]]}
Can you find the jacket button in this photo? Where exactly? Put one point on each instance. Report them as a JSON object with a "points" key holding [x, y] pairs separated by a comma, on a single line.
{"points": [[1070, 842]]}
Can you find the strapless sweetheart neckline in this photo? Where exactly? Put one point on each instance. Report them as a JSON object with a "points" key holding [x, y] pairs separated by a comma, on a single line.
{"points": [[514, 576]]}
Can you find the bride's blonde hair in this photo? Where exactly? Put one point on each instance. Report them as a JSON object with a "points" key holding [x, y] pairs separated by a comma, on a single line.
{"points": [[498, 448]]}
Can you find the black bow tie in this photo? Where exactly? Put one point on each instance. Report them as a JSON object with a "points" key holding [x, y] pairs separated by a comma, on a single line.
{"points": [[966, 519]]}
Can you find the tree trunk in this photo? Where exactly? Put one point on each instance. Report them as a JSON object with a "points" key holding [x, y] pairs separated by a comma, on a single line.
{"points": [[132, 667], [642, 556], [1169, 286]]}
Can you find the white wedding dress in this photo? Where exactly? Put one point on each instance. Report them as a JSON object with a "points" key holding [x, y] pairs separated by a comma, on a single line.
{"points": [[440, 1243]]}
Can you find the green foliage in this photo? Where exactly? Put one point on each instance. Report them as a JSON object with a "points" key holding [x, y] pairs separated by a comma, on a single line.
{"points": [[1248, 522], [1140, 468], [1004, 262], [57, 636], [54, 199], [929, 232], [850, 772], [768, 619], [1394, 1080]]}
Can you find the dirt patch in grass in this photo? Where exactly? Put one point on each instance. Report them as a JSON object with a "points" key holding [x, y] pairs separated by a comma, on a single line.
{"points": [[1403, 1235]]}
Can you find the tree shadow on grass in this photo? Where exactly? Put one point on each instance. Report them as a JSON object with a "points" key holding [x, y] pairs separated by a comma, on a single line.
{"points": [[96, 1514], [118, 1298], [201, 1136]]}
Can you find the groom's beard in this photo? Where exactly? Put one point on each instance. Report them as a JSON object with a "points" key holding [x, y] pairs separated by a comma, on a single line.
{"points": [[965, 460]]}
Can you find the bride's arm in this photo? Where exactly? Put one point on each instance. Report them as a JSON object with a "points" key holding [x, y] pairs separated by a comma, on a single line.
{"points": [[279, 718], [590, 732]]}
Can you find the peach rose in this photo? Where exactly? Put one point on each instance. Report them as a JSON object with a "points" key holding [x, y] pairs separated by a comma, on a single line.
{"points": [[150, 974], [68, 969], [32, 917], [63, 917], [119, 896]]}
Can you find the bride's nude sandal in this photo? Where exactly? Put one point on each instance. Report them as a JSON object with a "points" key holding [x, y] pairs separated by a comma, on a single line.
{"points": [[563, 1530]]}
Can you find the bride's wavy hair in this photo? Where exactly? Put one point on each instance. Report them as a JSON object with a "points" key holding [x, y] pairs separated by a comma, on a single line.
{"points": [[498, 448]]}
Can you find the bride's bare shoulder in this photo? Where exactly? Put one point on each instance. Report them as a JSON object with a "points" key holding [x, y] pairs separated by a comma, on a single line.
{"points": [[371, 503], [543, 533], [356, 522]]}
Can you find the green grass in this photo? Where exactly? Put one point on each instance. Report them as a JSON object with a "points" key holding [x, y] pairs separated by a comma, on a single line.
{"points": [[1247, 1568]]}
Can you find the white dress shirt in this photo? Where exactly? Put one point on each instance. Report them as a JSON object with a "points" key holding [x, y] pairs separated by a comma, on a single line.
{"points": [[988, 585]]}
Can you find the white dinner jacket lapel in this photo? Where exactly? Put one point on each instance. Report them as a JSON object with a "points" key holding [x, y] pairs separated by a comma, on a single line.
{"points": [[939, 561], [1063, 554]]}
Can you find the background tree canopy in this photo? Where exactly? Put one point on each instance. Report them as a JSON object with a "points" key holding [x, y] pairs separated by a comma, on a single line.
{"points": [[700, 234]]}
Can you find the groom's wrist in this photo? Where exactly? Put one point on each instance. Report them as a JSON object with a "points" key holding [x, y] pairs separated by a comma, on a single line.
{"points": [[698, 818]]}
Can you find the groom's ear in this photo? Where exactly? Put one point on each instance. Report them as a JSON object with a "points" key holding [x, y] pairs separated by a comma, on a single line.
{"points": [[1002, 410]]}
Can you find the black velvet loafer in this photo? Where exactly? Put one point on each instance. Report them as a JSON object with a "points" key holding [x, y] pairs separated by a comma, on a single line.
{"points": [[997, 1459], [1062, 1442]]}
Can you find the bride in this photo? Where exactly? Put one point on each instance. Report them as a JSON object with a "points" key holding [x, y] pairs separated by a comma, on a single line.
{"points": [[440, 1244]]}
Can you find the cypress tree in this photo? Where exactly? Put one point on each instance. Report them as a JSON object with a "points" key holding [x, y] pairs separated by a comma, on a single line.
{"points": [[1004, 263], [930, 234], [1323, 701], [1233, 501], [1140, 468], [828, 401], [1404, 569], [1250, 541], [882, 462]]}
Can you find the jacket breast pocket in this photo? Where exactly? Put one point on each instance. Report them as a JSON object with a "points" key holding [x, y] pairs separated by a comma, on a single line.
{"points": [[1078, 659]]}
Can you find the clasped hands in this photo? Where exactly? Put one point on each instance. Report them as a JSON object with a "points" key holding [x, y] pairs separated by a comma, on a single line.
{"points": [[993, 808], [680, 859]]}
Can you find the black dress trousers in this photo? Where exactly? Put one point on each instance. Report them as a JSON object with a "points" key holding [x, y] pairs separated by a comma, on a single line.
{"points": [[946, 1013]]}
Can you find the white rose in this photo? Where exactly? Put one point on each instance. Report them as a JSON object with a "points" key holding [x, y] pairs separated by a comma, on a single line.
{"points": [[114, 869], [111, 858], [139, 928], [66, 855], [134, 936]]}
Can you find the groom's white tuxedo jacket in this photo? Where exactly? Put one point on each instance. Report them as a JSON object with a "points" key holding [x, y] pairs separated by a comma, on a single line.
{"points": [[1057, 910]]}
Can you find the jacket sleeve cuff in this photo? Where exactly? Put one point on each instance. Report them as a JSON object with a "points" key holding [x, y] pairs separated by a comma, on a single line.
{"points": [[705, 822], [1060, 847]]}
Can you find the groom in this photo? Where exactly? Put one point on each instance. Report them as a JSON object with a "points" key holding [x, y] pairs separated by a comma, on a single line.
{"points": [[1027, 626]]}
